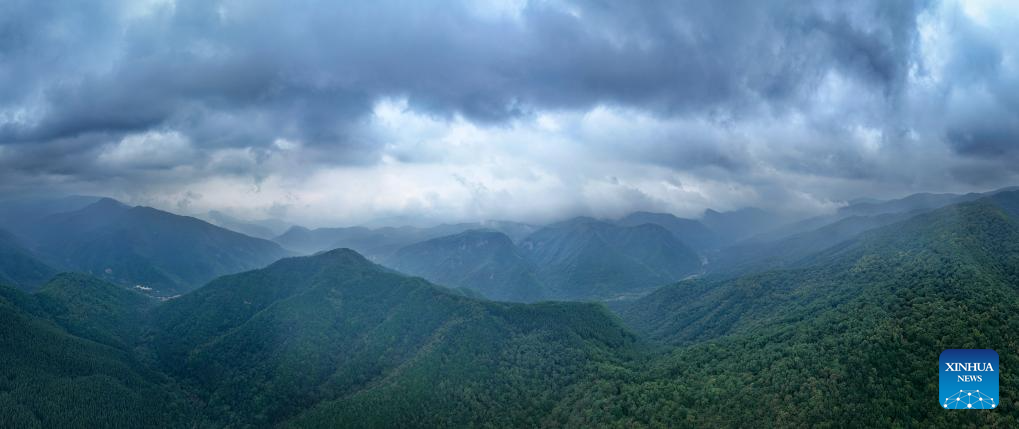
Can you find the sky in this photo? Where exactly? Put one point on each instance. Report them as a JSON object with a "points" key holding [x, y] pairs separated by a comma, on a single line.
{"points": [[338, 113]]}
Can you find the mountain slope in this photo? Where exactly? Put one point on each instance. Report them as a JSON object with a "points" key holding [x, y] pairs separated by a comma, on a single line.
{"points": [[854, 334], [755, 255], [19, 267], [144, 246], [94, 309], [484, 261], [584, 258], [19, 214], [334, 340], [52, 378]]}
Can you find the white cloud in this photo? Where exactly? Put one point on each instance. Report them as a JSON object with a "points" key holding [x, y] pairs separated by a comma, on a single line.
{"points": [[149, 150]]}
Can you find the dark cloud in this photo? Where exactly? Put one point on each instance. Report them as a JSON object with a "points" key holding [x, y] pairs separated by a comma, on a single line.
{"points": [[739, 91]]}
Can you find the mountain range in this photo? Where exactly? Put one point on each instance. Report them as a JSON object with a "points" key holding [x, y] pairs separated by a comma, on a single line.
{"points": [[845, 326]]}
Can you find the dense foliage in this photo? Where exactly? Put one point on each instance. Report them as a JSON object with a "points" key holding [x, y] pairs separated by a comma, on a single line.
{"points": [[334, 339], [51, 378], [853, 338]]}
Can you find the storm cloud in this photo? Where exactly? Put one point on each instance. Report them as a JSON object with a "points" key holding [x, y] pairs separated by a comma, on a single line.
{"points": [[341, 112]]}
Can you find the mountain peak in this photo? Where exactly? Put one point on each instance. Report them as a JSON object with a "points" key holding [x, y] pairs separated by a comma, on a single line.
{"points": [[105, 205], [341, 255]]}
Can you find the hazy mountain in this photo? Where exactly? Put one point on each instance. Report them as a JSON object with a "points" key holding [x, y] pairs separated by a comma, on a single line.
{"points": [[870, 207], [484, 261], [691, 232], [266, 228], [914, 202], [374, 243], [334, 340], [380, 243], [19, 267], [758, 254], [584, 258], [19, 214], [144, 246], [516, 231], [736, 225]]}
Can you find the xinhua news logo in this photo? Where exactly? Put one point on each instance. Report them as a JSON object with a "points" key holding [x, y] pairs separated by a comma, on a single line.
{"points": [[969, 379]]}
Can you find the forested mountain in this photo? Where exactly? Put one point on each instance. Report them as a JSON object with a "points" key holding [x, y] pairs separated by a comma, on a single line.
{"points": [[584, 258], [484, 261], [94, 309], [143, 246], [373, 243], [691, 232], [855, 333], [334, 340], [53, 378], [19, 267]]}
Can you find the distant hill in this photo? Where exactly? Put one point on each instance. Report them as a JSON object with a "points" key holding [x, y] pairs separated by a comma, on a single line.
{"points": [[19, 267], [911, 203], [785, 245], [484, 261], [374, 243], [143, 246], [736, 225], [755, 255], [584, 258], [873, 208], [334, 340], [265, 229], [691, 232], [380, 243], [18, 214]]}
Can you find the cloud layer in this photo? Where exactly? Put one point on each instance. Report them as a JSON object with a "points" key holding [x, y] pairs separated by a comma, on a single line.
{"points": [[338, 113]]}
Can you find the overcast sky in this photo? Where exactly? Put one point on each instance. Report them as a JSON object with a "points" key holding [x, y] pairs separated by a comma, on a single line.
{"points": [[336, 113]]}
